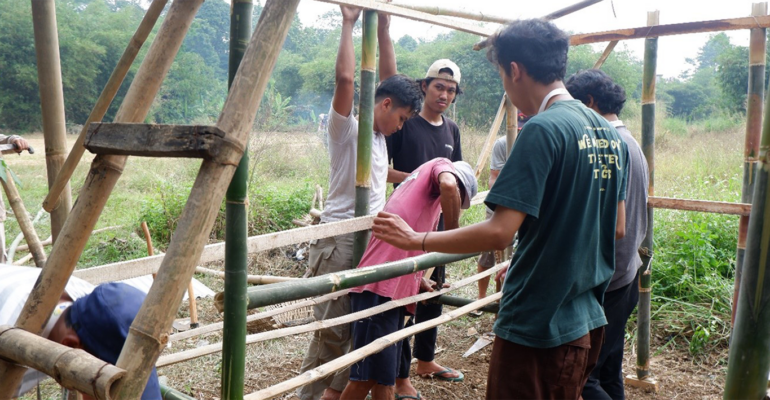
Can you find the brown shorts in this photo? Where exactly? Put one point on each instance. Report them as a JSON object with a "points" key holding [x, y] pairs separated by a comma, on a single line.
{"points": [[521, 372]]}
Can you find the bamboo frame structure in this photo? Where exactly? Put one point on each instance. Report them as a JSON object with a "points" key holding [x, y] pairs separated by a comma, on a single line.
{"points": [[456, 12], [25, 223], [102, 178], [605, 54], [52, 103], [103, 102], [756, 92], [491, 137]]}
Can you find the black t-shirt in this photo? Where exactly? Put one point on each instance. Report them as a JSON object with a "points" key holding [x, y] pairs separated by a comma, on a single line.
{"points": [[419, 141]]}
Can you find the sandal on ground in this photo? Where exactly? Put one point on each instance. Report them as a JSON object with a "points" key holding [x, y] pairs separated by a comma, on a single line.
{"points": [[408, 396], [475, 313], [441, 375]]}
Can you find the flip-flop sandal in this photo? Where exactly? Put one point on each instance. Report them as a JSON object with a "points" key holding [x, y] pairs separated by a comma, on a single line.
{"points": [[408, 396], [475, 313], [440, 376]]}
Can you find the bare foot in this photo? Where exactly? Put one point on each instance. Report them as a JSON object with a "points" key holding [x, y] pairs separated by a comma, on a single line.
{"points": [[331, 394], [431, 369]]}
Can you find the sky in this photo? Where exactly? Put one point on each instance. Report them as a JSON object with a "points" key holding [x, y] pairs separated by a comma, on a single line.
{"points": [[673, 51]]}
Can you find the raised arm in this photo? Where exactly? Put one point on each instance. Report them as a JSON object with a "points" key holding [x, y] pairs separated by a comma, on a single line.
{"points": [[387, 53], [450, 199], [345, 69]]}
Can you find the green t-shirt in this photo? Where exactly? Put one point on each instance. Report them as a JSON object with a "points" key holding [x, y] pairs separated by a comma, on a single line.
{"points": [[567, 172]]}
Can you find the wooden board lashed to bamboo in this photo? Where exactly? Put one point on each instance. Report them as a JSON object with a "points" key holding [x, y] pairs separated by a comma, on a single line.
{"points": [[754, 101], [148, 333], [102, 177], [52, 103], [104, 101]]}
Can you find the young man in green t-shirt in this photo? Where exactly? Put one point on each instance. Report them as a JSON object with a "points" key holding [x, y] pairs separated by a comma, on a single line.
{"points": [[563, 190]]}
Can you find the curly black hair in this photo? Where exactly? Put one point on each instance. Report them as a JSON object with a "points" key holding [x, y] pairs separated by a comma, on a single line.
{"points": [[609, 97], [402, 90], [536, 44]]}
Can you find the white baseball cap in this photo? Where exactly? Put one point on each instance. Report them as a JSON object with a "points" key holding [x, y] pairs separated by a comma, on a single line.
{"points": [[55, 315], [433, 71]]}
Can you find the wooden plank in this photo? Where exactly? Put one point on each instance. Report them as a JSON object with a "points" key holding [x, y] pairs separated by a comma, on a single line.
{"points": [[672, 29], [717, 207], [156, 140], [415, 15]]}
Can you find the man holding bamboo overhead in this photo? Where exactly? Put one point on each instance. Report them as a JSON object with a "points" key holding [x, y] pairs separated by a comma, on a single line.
{"points": [[563, 189], [397, 98]]}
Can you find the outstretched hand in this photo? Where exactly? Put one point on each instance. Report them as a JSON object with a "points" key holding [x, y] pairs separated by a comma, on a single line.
{"points": [[383, 19], [391, 229], [350, 13]]}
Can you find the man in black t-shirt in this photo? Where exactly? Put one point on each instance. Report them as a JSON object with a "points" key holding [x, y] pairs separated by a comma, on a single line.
{"points": [[426, 136]]}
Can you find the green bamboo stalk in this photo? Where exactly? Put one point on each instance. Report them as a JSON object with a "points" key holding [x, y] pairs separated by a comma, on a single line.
{"points": [[749, 359], [236, 234], [167, 393], [753, 129], [276, 293], [648, 147], [365, 128], [454, 301]]}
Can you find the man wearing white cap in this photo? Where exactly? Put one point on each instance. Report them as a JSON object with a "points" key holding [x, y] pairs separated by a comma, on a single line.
{"points": [[426, 136]]}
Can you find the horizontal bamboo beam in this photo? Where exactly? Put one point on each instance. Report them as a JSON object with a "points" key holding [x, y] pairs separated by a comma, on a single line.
{"points": [[324, 324], [72, 368], [672, 29], [456, 12], [414, 15], [372, 348], [277, 293], [253, 279], [454, 301], [716, 207]]}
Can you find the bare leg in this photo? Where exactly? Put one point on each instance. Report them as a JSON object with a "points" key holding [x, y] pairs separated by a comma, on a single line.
{"points": [[483, 282]]}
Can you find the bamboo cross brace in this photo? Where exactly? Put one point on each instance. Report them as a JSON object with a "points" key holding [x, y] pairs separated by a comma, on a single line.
{"points": [[253, 279], [372, 348], [324, 324], [25, 223], [456, 12], [607, 51], [489, 144]]}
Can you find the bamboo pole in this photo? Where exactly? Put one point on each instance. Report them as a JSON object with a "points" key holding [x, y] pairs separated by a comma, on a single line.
{"points": [[365, 128], [25, 223], [51, 103], [72, 368], [646, 250], [489, 144], [605, 54], [456, 12], [715, 207], [749, 358], [104, 101], [453, 301], [14, 247], [325, 324], [756, 94], [287, 291], [511, 124], [372, 348], [236, 235], [148, 334], [169, 393], [253, 279], [102, 177]]}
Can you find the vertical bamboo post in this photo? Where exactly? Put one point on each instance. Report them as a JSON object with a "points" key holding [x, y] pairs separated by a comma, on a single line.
{"points": [[749, 359], [753, 130], [102, 177], [365, 128], [648, 147], [103, 103], [25, 223], [236, 235], [490, 142], [51, 102], [511, 124], [149, 331]]}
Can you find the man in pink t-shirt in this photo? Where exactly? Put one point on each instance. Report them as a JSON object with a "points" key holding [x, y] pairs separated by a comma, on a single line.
{"points": [[436, 186]]}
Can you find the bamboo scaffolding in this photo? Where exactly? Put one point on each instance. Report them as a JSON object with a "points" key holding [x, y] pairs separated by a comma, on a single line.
{"points": [[756, 94], [324, 324], [491, 137], [605, 54], [72, 368], [646, 249], [51, 103], [25, 223], [148, 333], [287, 291], [372, 348], [749, 358], [104, 101], [236, 234], [456, 12], [102, 178]]}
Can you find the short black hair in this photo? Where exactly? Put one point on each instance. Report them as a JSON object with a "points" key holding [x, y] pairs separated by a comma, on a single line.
{"points": [[609, 97], [536, 44], [429, 80], [402, 90]]}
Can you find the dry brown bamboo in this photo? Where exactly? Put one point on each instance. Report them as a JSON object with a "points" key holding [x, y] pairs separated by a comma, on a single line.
{"points": [[72, 368], [607, 51], [489, 144], [49, 241], [25, 223], [253, 279], [23, 260], [102, 177], [51, 102], [148, 334], [456, 12], [193, 305], [716, 207], [103, 103], [511, 125], [372, 348], [324, 324]]}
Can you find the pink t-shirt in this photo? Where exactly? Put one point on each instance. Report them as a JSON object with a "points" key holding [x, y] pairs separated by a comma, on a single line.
{"points": [[417, 201]]}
